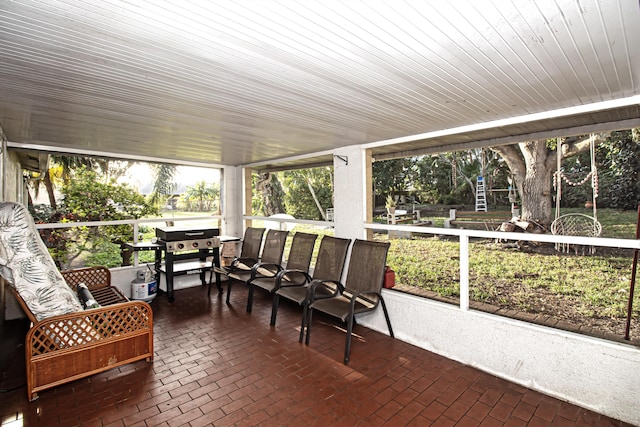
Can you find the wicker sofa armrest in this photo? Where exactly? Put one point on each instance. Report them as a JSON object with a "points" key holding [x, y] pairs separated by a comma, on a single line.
{"points": [[64, 348], [98, 280], [93, 277], [89, 326]]}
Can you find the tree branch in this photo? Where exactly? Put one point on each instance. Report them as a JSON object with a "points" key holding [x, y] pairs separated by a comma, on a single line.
{"points": [[513, 156], [574, 146]]}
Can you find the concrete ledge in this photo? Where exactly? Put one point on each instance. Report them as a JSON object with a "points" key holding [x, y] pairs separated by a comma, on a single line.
{"points": [[537, 318]]}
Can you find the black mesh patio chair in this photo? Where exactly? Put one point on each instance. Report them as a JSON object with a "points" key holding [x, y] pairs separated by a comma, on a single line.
{"points": [[270, 260], [328, 270], [362, 291], [249, 254], [297, 269]]}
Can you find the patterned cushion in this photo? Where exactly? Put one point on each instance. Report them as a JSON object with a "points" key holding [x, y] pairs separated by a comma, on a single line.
{"points": [[26, 264]]}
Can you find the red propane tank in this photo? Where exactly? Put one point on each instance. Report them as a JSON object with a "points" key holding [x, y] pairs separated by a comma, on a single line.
{"points": [[389, 277]]}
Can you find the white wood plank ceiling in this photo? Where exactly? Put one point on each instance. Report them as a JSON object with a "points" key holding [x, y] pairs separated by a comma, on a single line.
{"points": [[251, 82]]}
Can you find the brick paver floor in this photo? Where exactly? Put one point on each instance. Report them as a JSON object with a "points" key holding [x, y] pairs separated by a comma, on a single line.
{"points": [[217, 365]]}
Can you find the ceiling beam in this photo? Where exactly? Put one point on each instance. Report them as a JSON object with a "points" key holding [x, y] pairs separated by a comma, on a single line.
{"points": [[514, 139]]}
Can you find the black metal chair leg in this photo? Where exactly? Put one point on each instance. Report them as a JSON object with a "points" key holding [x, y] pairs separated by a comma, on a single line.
{"points": [[386, 316], [229, 282], [347, 347], [211, 273], [274, 309], [249, 298], [308, 324], [219, 283], [303, 325]]}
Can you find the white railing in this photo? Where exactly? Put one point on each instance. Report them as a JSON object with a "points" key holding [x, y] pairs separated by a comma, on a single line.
{"points": [[465, 234], [291, 220], [134, 222]]}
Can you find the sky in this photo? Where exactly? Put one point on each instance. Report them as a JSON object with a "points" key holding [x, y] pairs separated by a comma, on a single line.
{"points": [[140, 177]]}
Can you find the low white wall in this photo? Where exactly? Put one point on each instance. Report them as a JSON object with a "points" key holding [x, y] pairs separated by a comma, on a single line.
{"points": [[600, 375]]}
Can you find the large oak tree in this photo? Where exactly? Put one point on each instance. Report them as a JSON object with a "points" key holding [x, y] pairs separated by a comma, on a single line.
{"points": [[532, 164]]}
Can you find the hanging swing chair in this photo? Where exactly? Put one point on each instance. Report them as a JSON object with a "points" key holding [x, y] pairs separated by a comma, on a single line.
{"points": [[576, 224]]}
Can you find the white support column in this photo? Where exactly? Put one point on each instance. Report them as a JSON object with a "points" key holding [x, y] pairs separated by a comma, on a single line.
{"points": [[232, 189], [349, 168], [464, 272], [3, 167]]}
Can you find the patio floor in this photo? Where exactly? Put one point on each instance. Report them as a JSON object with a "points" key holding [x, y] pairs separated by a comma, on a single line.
{"points": [[217, 365]]}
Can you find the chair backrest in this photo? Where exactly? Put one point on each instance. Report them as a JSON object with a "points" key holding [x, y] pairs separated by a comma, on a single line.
{"points": [[25, 263], [366, 266], [301, 251], [331, 257], [274, 247], [252, 242]]}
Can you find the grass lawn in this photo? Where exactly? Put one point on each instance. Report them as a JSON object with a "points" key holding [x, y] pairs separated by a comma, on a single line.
{"points": [[587, 290]]}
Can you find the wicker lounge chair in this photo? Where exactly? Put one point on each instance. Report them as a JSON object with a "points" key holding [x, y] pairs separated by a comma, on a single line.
{"points": [[65, 342], [297, 270], [362, 291]]}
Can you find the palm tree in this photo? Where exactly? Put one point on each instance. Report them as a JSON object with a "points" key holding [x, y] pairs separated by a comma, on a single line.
{"points": [[163, 185], [204, 193], [59, 170]]}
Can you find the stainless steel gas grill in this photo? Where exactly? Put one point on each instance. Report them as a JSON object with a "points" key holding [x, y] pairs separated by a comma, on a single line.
{"points": [[187, 251]]}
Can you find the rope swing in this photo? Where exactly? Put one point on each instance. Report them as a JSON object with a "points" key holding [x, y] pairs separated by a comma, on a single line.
{"points": [[576, 224]]}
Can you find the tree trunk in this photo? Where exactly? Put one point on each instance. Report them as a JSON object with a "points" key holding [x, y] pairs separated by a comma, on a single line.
{"points": [[535, 186], [268, 186], [458, 169], [49, 186], [126, 254], [315, 199], [532, 171]]}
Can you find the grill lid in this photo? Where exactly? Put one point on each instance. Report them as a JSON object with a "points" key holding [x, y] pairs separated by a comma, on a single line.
{"points": [[171, 234]]}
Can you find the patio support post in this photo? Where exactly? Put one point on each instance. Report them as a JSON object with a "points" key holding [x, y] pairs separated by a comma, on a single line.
{"points": [[350, 189], [3, 160], [248, 195], [232, 197]]}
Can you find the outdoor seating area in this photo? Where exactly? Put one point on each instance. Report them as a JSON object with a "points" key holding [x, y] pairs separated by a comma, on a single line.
{"points": [[66, 343], [204, 349], [382, 173], [324, 292], [215, 364]]}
